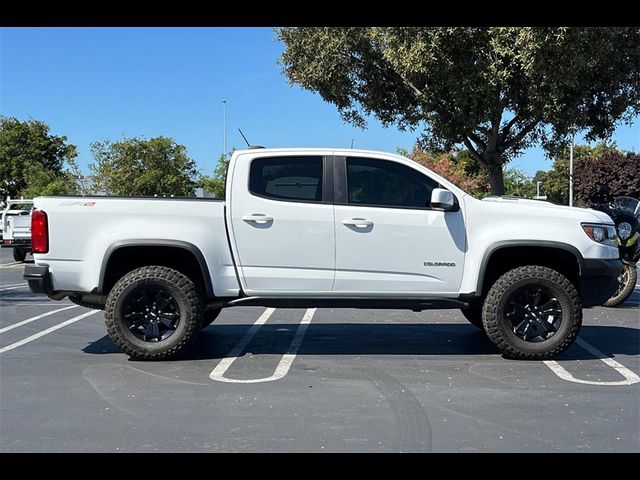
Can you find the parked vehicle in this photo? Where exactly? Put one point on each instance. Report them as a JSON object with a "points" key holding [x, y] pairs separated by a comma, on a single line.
{"points": [[16, 227], [625, 212], [304, 228]]}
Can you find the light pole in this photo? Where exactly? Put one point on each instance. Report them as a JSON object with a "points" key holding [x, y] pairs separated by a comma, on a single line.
{"points": [[538, 183], [573, 136], [224, 122], [352, 140]]}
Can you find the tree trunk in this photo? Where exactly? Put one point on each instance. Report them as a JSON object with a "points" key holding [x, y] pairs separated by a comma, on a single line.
{"points": [[496, 180]]}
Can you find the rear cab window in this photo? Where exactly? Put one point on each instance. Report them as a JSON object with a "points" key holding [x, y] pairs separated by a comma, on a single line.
{"points": [[297, 179]]}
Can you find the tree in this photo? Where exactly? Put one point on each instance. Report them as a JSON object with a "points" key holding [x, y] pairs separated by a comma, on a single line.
{"points": [[517, 183], [497, 90], [136, 166], [31, 158], [601, 179], [218, 182], [556, 183], [446, 166]]}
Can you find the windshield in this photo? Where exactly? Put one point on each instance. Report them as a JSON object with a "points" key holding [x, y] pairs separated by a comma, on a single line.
{"points": [[627, 204]]}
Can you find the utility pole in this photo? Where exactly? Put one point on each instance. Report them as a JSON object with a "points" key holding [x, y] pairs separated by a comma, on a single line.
{"points": [[573, 136], [352, 140], [224, 121]]}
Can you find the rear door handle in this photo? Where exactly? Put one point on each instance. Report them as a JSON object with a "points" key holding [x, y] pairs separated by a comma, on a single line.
{"points": [[358, 222], [257, 218]]}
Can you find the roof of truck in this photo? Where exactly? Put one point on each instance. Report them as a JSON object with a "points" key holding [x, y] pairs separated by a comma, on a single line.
{"points": [[345, 151]]}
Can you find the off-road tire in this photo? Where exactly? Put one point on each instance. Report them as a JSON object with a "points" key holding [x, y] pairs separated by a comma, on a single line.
{"points": [[626, 292], [183, 291], [473, 313], [499, 330], [209, 316], [19, 254]]}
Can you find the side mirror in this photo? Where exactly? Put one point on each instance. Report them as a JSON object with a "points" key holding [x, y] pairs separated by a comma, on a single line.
{"points": [[442, 199]]}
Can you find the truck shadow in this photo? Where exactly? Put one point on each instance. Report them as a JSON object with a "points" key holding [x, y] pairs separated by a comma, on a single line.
{"points": [[216, 341]]}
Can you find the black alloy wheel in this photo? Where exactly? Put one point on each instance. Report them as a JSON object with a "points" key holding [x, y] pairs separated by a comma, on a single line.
{"points": [[534, 313], [151, 313]]}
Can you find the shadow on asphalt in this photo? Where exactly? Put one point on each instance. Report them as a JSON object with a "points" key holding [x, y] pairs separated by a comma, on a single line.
{"points": [[216, 341]]}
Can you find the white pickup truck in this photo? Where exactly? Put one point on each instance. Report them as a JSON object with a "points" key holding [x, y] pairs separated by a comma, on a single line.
{"points": [[16, 227], [306, 228]]}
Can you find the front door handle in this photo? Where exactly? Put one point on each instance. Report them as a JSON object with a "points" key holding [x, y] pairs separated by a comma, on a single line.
{"points": [[257, 218], [358, 222]]}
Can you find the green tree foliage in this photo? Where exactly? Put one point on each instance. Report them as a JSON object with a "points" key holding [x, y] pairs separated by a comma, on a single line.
{"points": [[517, 183], [136, 166], [32, 160], [600, 179], [217, 183], [497, 90]]}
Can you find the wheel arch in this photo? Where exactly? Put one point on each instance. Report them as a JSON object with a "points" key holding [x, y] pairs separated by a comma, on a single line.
{"points": [[120, 258], [564, 257]]}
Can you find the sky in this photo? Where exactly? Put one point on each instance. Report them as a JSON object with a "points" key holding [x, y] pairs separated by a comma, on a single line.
{"points": [[95, 84]]}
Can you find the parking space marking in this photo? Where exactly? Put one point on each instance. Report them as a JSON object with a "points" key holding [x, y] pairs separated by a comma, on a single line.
{"points": [[6, 289], [33, 319], [285, 362], [629, 377], [11, 265], [48, 331], [13, 285]]}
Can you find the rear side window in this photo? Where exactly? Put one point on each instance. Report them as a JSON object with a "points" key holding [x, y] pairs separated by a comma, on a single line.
{"points": [[287, 178], [382, 183]]}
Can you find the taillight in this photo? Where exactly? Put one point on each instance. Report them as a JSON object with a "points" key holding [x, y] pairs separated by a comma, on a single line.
{"points": [[39, 232]]}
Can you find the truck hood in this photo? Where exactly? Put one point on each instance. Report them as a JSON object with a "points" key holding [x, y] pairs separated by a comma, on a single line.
{"points": [[525, 206]]}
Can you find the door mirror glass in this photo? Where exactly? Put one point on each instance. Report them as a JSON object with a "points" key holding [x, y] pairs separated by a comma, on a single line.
{"points": [[442, 199]]}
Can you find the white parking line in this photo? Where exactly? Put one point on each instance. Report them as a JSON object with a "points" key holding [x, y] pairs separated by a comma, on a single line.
{"points": [[629, 377], [285, 362], [11, 265], [13, 285], [48, 331], [12, 288], [33, 319]]}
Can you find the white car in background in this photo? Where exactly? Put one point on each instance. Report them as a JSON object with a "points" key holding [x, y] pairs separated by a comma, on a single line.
{"points": [[16, 227]]}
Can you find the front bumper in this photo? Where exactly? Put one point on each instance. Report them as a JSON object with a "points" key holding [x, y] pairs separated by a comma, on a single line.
{"points": [[598, 280], [38, 278]]}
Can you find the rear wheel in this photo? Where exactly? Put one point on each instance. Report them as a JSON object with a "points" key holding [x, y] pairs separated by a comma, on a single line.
{"points": [[532, 313], [19, 254], [153, 313], [626, 283], [473, 313]]}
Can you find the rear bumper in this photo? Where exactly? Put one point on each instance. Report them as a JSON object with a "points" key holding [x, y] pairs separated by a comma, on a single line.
{"points": [[38, 278], [598, 280]]}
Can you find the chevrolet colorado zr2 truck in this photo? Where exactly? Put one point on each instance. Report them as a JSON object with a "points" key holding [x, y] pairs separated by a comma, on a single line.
{"points": [[303, 228]]}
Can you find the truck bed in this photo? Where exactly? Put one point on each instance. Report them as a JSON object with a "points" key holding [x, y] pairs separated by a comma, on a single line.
{"points": [[109, 222]]}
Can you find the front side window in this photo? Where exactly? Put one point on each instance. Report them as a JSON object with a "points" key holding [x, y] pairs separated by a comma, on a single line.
{"points": [[287, 178], [383, 183]]}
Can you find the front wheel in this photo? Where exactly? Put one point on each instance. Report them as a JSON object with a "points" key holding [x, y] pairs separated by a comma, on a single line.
{"points": [[532, 313], [626, 283], [153, 313]]}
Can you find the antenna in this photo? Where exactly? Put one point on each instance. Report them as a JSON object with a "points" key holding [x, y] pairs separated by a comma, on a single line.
{"points": [[245, 138]]}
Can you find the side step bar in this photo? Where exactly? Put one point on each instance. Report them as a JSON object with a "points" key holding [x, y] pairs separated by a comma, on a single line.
{"points": [[415, 304]]}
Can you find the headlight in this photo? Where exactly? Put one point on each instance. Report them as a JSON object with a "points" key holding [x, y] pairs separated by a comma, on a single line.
{"points": [[624, 230], [605, 234]]}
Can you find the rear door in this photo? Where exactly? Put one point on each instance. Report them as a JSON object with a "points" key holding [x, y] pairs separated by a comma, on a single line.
{"points": [[282, 223]]}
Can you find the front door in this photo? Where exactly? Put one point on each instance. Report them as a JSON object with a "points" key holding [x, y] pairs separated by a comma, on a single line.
{"points": [[282, 224], [388, 239]]}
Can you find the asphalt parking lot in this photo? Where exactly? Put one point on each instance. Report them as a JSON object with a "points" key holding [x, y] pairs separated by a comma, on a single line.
{"points": [[316, 380]]}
